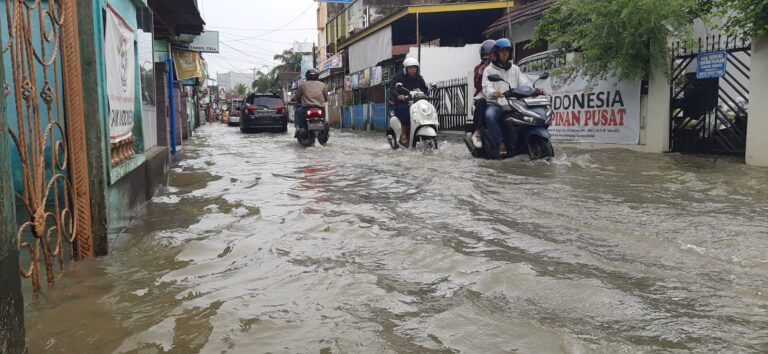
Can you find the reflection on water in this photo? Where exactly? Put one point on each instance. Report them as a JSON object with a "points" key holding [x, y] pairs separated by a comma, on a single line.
{"points": [[261, 246]]}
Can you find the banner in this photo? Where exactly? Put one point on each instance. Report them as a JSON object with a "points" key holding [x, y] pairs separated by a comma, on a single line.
{"points": [[605, 111], [187, 64], [306, 64], [376, 76], [121, 74], [347, 83]]}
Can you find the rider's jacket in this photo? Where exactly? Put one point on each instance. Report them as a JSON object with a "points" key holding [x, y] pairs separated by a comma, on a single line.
{"points": [[513, 75], [312, 94], [410, 83]]}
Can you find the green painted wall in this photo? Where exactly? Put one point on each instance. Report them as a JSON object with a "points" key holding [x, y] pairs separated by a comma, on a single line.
{"points": [[11, 301]]}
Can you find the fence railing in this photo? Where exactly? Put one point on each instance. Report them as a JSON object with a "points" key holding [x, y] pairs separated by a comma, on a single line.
{"points": [[454, 96]]}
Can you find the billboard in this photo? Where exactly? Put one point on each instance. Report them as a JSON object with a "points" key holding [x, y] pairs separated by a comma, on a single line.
{"points": [[206, 42]]}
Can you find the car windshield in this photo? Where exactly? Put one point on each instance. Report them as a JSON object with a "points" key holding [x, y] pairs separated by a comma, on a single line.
{"points": [[265, 101]]}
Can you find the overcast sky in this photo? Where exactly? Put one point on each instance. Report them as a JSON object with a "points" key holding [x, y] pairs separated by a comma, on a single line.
{"points": [[253, 31]]}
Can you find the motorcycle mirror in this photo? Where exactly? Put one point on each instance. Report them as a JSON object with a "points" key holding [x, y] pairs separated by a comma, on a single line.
{"points": [[544, 76], [495, 78], [399, 85]]}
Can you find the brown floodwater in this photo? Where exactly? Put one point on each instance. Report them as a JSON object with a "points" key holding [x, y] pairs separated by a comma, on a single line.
{"points": [[260, 246]]}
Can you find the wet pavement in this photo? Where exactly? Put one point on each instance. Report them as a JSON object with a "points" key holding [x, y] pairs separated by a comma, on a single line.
{"points": [[260, 246]]}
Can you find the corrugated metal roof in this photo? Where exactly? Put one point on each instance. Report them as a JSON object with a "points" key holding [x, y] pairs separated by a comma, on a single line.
{"points": [[520, 14]]}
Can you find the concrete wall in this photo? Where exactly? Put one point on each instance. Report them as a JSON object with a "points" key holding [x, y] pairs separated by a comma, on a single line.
{"points": [[757, 129], [11, 301], [446, 63]]}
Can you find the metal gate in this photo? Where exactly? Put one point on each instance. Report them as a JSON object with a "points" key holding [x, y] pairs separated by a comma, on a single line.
{"points": [[710, 115], [43, 86], [452, 104]]}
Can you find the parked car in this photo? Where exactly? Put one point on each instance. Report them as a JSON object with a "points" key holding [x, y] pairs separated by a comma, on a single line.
{"points": [[235, 112], [262, 112]]}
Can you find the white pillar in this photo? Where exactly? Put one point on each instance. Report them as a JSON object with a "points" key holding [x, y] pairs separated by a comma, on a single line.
{"points": [[757, 126], [657, 120]]}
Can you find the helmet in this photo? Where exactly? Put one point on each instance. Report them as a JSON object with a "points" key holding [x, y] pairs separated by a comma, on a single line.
{"points": [[409, 62], [312, 74], [501, 44], [486, 47]]}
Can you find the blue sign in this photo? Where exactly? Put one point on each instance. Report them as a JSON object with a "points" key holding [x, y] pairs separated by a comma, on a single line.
{"points": [[711, 65]]}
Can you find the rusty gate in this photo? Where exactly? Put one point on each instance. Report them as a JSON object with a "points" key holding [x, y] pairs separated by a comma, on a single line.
{"points": [[43, 89]]}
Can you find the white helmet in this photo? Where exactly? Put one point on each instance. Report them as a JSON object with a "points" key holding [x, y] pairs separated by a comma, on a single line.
{"points": [[409, 62]]}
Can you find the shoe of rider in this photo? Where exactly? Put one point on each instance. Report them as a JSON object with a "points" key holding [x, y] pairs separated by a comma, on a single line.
{"points": [[411, 80]]}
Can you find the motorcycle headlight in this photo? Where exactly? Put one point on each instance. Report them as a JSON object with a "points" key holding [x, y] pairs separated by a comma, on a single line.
{"points": [[425, 108]]}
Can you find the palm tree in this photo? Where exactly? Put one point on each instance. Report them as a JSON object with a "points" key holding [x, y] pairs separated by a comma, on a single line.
{"points": [[265, 82], [241, 89], [290, 62]]}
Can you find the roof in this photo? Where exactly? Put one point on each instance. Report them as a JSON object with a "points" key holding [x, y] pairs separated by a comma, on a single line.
{"points": [[520, 14], [422, 9], [175, 17]]}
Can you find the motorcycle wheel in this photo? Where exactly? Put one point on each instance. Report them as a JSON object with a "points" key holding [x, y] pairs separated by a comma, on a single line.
{"points": [[392, 140], [540, 148], [426, 143], [322, 137], [306, 139]]}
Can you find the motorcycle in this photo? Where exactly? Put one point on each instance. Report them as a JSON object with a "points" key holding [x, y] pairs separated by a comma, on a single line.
{"points": [[528, 114], [317, 128], [424, 122]]}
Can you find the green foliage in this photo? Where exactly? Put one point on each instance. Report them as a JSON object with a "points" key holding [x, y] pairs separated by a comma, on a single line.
{"points": [[265, 82], [626, 38], [744, 17], [241, 89]]}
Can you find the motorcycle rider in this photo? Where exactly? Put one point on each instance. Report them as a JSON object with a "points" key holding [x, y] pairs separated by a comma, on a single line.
{"points": [[486, 49], [502, 66], [411, 80], [311, 93]]}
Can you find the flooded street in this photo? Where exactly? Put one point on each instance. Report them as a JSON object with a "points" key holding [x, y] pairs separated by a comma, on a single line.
{"points": [[260, 246]]}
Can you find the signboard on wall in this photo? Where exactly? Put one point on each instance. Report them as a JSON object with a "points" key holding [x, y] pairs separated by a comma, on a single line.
{"points": [[604, 111], [206, 42], [187, 64], [121, 73], [711, 65]]}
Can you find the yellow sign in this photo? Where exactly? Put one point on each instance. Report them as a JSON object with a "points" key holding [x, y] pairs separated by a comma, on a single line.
{"points": [[187, 64]]}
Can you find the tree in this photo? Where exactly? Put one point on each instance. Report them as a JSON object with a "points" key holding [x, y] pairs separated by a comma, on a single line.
{"points": [[746, 17], [241, 89], [265, 82], [290, 61], [626, 38]]}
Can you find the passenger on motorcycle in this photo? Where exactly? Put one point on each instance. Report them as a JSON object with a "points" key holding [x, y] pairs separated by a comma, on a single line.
{"points": [[411, 81], [480, 104], [502, 66], [311, 93]]}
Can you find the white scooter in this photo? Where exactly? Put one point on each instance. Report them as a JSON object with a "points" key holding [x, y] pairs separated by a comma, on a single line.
{"points": [[424, 122]]}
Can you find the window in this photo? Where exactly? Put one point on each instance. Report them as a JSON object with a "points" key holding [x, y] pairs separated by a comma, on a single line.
{"points": [[521, 52]]}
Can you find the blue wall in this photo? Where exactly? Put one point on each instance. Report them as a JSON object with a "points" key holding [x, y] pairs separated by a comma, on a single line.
{"points": [[54, 77], [355, 116]]}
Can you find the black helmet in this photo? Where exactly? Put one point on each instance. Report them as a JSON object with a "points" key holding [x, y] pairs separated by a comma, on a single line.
{"points": [[485, 48], [312, 74]]}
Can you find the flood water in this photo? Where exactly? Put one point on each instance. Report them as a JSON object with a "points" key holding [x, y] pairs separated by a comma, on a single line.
{"points": [[260, 246]]}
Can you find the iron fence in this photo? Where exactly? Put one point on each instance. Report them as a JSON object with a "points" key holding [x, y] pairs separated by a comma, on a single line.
{"points": [[453, 97]]}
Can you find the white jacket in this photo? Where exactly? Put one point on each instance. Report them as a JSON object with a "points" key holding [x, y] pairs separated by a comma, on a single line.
{"points": [[514, 76]]}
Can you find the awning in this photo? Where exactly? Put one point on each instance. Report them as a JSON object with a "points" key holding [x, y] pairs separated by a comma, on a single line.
{"points": [[176, 17], [519, 14], [459, 22]]}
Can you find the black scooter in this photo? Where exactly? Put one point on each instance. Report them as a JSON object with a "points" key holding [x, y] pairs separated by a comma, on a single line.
{"points": [[526, 113], [317, 127]]}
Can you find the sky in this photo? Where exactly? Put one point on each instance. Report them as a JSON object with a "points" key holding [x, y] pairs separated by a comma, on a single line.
{"points": [[253, 31]]}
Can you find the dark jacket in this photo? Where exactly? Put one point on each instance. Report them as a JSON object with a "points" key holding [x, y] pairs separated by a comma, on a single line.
{"points": [[409, 82]]}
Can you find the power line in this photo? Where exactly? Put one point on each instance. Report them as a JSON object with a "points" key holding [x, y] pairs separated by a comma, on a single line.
{"points": [[291, 21], [262, 30]]}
